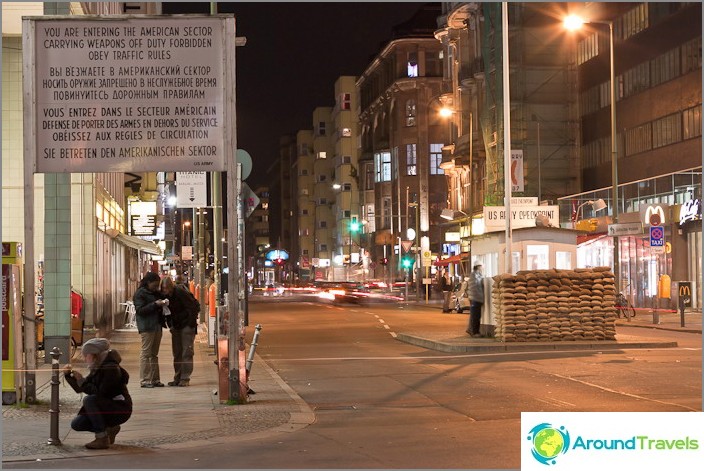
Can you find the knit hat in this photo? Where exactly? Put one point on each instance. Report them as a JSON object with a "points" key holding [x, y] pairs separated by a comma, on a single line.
{"points": [[95, 346]]}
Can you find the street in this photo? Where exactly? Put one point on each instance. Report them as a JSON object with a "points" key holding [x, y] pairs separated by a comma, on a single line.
{"points": [[380, 403]]}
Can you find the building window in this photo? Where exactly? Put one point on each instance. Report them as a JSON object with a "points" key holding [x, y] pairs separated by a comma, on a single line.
{"points": [[303, 149], [322, 155], [345, 160], [587, 48], [346, 132], [665, 67], [412, 64], [692, 55], [322, 178], [633, 22], [304, 212], [304, 232], [345, 101], [667, 130], [346, 214], [304, 172], [368, 176], [321, 128], [323, 224], [305, 251], [346, 187], [411, 113], [385, 212], [323, 247], [635, 80], [692, 121], [411, 160], [638, 139], [322, 201], [436, 159], [382, 164]]}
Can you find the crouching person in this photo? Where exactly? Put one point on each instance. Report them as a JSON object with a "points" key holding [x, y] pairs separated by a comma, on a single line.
{"points": [[107, 403]]}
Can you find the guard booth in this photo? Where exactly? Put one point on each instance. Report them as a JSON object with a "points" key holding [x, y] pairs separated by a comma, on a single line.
{"points": [[12, 379]]}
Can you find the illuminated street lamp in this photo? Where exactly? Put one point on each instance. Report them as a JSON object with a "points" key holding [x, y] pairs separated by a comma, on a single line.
{"points": [[572, 23]]}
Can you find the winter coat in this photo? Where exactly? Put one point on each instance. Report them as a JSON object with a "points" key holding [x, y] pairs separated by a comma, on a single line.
{"points": [[476, 287], [445, 285], [184, 309], [150, 317], [107, 382]]}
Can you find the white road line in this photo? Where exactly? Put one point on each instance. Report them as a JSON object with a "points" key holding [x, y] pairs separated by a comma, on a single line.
{"points": [[376, 316], [386, 327], [635, 396], [382, 321], [393, 334]]}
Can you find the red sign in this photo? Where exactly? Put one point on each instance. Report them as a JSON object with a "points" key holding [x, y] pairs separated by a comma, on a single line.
{"points": [[406, 244]]}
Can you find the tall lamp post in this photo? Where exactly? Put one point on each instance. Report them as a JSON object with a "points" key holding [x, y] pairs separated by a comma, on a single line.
{"points": [[572, 23]]}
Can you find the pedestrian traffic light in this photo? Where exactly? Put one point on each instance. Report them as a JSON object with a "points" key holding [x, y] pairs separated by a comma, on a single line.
{"points": [[407, 262], [354, 224], [384, 261]]}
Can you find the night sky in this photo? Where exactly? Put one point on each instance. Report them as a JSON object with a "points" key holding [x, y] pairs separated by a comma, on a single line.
{"points": [[294, 54]]}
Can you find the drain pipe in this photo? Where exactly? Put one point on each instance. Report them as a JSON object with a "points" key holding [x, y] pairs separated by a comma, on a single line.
{"points": [[252, 348]]}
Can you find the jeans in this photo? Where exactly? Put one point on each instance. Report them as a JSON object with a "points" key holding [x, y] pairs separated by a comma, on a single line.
{"points": [[149, 357], [475, 317], [446, 300], [182, 348], [97, 414]]}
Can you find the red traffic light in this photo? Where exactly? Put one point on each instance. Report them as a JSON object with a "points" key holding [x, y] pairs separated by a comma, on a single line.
{"points": [[384, 261], [279, 261]]}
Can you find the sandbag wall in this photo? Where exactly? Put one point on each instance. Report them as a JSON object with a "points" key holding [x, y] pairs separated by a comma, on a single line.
{"points": [[555, 305]]}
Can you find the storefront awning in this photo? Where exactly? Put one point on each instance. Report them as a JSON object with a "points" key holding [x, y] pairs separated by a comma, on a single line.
{"points": [[463, 257], [139, 244]]}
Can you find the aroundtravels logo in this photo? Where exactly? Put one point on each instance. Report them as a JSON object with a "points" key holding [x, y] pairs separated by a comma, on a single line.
{"points": [[548, 442]]}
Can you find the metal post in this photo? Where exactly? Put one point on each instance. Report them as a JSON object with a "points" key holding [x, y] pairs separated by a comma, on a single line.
{"points": [[614, 156], [54, 409], [507, 137], [681, 303], [252, 348]]}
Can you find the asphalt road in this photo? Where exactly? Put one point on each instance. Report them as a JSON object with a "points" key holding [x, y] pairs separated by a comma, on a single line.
{"points": [[380, 403]]}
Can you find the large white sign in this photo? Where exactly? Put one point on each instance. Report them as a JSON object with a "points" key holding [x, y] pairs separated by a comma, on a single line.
{"points": [[521, 216], [127, 94], [191, 190]]}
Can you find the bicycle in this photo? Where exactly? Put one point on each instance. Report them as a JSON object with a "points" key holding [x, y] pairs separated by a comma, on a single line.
{"points": [[624, 307]]}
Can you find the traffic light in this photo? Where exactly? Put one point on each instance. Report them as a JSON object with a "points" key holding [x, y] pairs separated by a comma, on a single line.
{"points": [[384, 261], [279, 261], [354, 224], [407, 262]]}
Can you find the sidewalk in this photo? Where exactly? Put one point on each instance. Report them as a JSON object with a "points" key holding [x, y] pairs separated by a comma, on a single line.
{"points": [[162, 417]]}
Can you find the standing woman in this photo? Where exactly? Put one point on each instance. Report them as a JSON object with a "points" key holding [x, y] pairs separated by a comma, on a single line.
{"points": [[148, 303], [183, 323]]}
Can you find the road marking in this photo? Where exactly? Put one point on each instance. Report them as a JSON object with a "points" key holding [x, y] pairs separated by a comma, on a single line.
{"points": [[552, 402], [635, 396], [382, 321], [393, 334], [386, 327]]}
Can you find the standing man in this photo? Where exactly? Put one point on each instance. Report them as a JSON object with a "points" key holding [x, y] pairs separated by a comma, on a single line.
{"points": [[446, 287], [476, 296], [183, 323], [148, 303]]}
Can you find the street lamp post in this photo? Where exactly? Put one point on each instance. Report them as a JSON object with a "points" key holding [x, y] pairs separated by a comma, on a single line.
{"points": [[574, 22]]}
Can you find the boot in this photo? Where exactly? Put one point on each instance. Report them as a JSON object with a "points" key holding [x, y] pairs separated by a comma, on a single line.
{"points": [[101, 442], [112, 433]]}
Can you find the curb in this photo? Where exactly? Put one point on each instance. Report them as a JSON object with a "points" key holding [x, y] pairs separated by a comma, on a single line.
{"points": [[450, 347]]}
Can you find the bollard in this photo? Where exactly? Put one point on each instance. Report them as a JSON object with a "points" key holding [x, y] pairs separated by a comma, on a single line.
{"points": [[54, 410], [681, 311], [252, 348], [656, 313]]}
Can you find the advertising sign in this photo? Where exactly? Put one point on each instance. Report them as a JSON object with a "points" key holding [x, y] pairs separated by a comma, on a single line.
{"points": [[130, 94], [517, 180], [523, 216]]}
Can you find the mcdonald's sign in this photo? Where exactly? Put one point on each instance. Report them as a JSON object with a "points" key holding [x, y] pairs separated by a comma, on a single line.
{"points": [[684, 291], [653, 214]]}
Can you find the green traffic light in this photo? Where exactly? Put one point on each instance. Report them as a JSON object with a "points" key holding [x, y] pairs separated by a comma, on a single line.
{"points": [[407, 263], [354, 227]]}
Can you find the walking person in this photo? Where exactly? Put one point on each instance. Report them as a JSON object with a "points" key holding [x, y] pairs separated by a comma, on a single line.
{"points": [[148, 303], [183, 323], [446, 288], [107, 403], [476, 296]]}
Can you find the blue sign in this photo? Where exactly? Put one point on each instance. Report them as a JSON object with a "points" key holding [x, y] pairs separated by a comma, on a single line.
{"points": [[657, 236]]}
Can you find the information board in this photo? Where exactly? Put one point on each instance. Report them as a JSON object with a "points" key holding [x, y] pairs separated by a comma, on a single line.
{"points": [[131, 94]]}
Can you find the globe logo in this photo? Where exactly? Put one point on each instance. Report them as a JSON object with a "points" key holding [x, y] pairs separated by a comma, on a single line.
{"points": [[548, 443]]}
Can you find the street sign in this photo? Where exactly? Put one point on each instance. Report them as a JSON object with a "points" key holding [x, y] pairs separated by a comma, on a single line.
{"points": [[406, 244], [630, 228], [427, 257], [251, 200], [191, 190], [657, 239]]}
